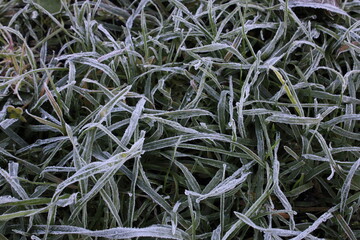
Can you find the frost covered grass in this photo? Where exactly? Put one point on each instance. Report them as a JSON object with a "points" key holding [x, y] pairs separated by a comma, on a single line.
{"points": [[170, 119]]}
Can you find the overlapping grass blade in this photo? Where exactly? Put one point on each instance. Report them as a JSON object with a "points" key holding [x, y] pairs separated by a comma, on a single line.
{"points": [[155, 108]]}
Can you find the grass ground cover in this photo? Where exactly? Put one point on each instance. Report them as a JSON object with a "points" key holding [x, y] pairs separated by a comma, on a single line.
{"points": [[170, 119]]}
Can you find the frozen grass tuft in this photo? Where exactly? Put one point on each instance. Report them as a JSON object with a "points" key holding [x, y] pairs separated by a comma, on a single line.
{"points": [[171, 119]]}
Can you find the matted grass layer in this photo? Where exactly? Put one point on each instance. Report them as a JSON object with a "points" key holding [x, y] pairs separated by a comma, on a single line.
{"points": [[169, 119]]}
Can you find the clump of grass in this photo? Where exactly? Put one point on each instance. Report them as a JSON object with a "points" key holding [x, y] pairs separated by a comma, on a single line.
{"points": [[171, 119]]}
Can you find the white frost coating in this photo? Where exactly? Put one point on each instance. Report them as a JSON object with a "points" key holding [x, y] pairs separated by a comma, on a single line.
{"points": [[103, 67], [68, 201], [216, 234], [101, 167], [8, 122], [215, 47], [277, 190], [293, 119], [155, 231], [223, 187], [347, 184], [170, 123], [7, 199], [128, 134], [326, 6], [273, 231], [343, 118], [176, 207], [207, 48], [14, 184], [323, 218], [174, 218], [41, 142], [77, 55], [58, 169]]}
